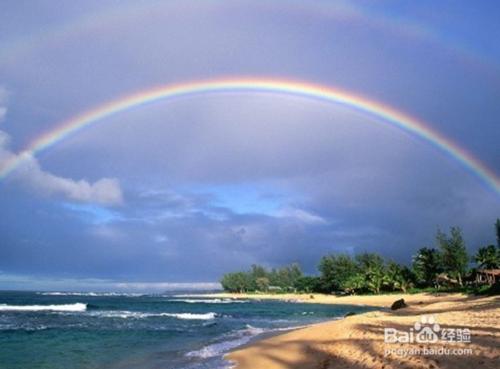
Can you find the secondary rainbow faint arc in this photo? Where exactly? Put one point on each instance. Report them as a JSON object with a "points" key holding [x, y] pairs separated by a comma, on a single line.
{"points": [[262, 85]]}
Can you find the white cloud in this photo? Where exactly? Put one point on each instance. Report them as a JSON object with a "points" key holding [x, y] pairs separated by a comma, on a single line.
{"points": [[3, 99], [105, 191], [108, 232], [301, 215], [166, 286], [160, 238], [25, 282]]}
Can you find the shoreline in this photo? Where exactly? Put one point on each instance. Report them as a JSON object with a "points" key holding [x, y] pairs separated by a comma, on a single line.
{"points": [[357, 341], [381, 301]]}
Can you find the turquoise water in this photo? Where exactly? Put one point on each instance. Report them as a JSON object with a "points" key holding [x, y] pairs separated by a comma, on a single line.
{"points": [[118, 331]]}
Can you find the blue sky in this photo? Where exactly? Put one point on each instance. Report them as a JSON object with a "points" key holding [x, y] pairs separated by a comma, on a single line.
{"points": [[182, 191]]}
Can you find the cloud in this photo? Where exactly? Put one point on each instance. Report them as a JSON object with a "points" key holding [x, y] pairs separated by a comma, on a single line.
{"points": [[3, 108], [108, 233], [243, 178], [93, 214], [24, 282], [105, 191], [167, 286], [301, 215], [160, 238]]}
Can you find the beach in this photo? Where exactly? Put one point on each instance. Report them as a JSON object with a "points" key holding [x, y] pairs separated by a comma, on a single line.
{"points": [[358, 341], [383, 300]]}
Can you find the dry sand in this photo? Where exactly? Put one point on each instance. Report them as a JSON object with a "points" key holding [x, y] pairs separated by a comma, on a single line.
{"points": [[376, 300], [358, 341]]}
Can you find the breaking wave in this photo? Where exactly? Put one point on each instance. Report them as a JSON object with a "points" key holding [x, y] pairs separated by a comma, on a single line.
{"points": [[91, 294], [189, 316], [124, 314], [65, 307], [235, 339], [209, 301]]}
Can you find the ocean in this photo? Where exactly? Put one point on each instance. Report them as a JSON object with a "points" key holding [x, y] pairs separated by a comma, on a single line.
{"points": [[58, 330]]}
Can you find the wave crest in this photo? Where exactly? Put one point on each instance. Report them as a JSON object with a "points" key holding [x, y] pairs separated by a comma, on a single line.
{"points": [[64, 307], [124, 314], [190, 316], [235, 339], [91, 294], [209, 301]]}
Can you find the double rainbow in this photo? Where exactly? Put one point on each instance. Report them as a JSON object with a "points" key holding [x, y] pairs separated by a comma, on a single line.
{"points": [[382, 113]]}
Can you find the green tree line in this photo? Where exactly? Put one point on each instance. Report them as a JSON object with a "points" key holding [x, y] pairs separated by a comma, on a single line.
{"points": [[446, 264]]}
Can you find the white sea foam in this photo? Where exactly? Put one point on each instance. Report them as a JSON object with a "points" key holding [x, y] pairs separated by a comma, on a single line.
{"points": [[190, 316], [218, 349], [234, 339], [13, 327], [65, 307], [91, 294], [124, 314], [208, 301]]}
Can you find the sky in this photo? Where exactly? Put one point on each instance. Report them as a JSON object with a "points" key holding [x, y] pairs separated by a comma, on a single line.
{"points": [[174, 193]]}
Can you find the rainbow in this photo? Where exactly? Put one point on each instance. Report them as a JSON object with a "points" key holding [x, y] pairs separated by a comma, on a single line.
{"points": [[16, 49], [382, 113]]}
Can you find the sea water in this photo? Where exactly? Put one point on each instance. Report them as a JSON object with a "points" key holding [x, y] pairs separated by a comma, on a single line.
{"points": [[58, 330]]}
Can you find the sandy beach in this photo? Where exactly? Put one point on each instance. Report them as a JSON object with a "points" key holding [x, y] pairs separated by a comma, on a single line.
{"points": [[358, 341], [383, 301]]}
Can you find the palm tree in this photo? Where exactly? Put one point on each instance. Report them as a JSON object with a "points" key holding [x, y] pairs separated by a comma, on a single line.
{"points": [[497, 230], [487, 257], [375, 277], [398, 277], [427, 265], [354, 283]]}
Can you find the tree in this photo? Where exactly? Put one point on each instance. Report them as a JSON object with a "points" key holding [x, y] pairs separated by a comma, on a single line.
{"points": [[308, 284], [262, 284], [426, 266], [369, 260], [256, 272], [372, 267], [335, 270], [398, 277], [295, 273], [375, 277], [487, 257], [406, 280], [236, 282], [285, 277], [454, 253], [355, 283], [259, 278], [497, 229]]}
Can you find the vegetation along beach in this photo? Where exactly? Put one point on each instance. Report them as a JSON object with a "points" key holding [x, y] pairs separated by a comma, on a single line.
{"points": [[464, 325]]}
